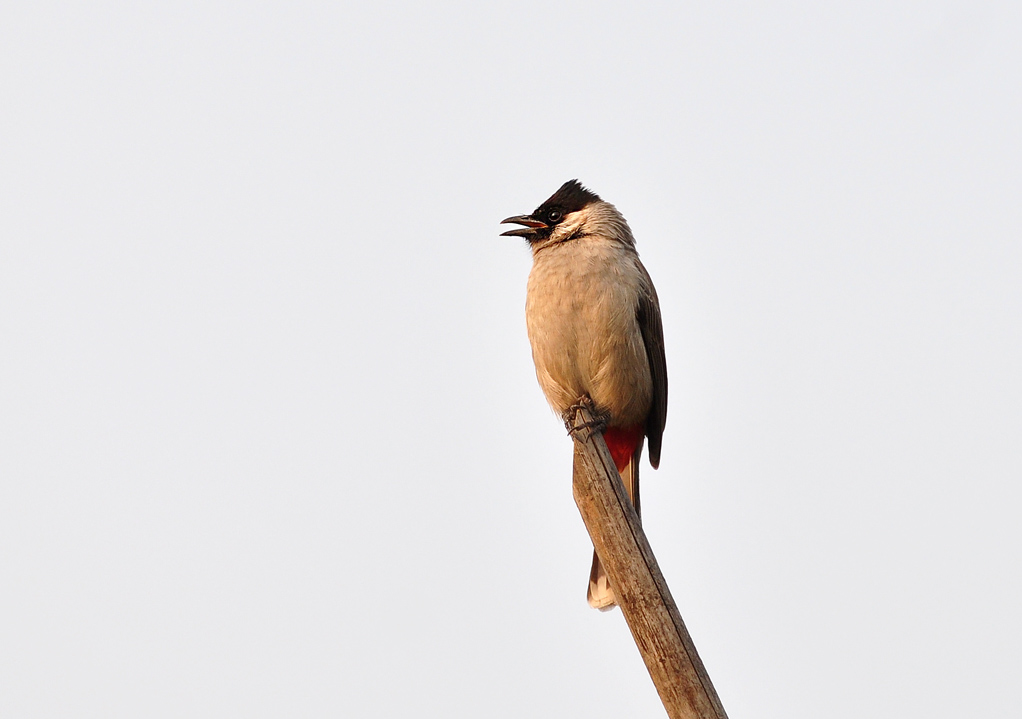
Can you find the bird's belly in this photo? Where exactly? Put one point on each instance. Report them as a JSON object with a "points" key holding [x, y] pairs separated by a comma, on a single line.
{"points": [[586, 340]]}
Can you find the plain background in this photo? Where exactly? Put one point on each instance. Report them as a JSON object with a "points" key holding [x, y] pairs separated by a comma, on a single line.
{"points": [[271, 441]]}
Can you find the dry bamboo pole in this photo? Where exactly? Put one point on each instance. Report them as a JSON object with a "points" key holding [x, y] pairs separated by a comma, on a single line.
{"points": [[659, 632]]}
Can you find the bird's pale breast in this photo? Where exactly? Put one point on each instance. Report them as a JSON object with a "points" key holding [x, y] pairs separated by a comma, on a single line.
{"points": [[581, 316]]}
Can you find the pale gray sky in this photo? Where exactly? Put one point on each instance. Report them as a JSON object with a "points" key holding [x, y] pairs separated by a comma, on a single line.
{"points": [[270, 440]]}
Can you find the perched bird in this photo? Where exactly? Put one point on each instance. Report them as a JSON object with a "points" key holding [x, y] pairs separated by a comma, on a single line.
{"points": [[594, 324]]}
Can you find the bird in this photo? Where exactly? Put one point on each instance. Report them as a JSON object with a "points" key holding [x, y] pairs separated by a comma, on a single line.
{"points": [[594, 324]]}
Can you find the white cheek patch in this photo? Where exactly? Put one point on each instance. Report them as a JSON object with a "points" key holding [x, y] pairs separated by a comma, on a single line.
{"points": [[569, 226], [598, 219]]}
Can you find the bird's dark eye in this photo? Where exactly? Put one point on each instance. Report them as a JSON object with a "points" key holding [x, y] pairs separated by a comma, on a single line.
{"points": [[554, 216]]}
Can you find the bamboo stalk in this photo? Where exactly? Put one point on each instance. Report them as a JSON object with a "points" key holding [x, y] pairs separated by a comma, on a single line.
{"points": [[645, 600]]}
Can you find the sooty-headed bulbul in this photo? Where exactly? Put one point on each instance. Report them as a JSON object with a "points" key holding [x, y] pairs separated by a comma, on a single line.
{"points": [[597, 338]]}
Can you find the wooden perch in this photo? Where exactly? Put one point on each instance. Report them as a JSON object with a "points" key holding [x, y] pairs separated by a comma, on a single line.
{"points": [[659, 632]]}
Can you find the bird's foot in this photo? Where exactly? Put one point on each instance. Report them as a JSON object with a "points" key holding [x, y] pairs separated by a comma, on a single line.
{"points": [[598, 423]]}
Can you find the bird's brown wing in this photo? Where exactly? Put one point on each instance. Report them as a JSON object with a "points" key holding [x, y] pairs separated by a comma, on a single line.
{"points": [[651, 325]]}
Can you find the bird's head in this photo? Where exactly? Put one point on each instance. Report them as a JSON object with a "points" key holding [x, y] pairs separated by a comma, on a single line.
{"points": [[560, 218]]}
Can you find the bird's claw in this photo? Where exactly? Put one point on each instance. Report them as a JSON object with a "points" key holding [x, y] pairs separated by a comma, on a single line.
{"points": [[598, 423]]}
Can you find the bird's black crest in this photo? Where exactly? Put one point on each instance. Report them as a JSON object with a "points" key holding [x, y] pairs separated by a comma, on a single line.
{"points": [[572, 197]]}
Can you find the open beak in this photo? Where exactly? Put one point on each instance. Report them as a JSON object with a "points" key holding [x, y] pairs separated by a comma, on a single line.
{"points": [[529, 230]]}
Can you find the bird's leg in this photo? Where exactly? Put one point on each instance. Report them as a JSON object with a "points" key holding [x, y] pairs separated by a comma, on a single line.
{"points": [[598, 423]]}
